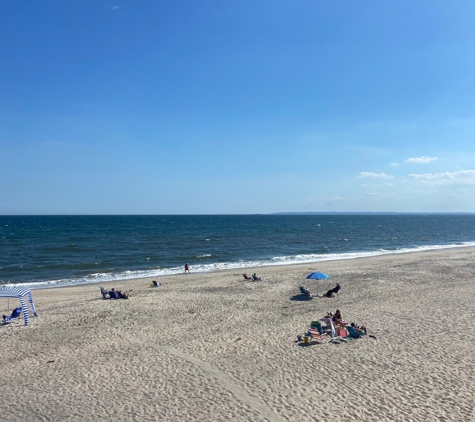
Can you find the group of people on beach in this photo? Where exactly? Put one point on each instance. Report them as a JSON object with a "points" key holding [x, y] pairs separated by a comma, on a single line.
{"points": [[114, 294], [352, 330], [335, 320], [331, 319], [306, 291], [254, 277]]}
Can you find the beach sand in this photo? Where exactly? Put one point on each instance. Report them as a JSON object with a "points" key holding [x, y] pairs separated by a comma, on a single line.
{"points": [[214, 347]]}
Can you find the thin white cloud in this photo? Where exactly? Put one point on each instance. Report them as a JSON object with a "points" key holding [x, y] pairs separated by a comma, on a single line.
{"points": [[375, 175], [394, 164], [462, 177], [335, 198], [115, 7], [421, 160]]}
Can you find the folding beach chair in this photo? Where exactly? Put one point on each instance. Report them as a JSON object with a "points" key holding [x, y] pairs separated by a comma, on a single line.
{"points": [[316, 335], [318, 326]]}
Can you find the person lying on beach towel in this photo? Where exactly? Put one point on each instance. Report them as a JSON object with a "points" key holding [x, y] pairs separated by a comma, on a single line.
{"points": [[330, 292], [246, 277]]}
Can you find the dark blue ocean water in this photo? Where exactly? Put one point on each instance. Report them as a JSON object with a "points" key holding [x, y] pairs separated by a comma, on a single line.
{"points": [[60, 250]]}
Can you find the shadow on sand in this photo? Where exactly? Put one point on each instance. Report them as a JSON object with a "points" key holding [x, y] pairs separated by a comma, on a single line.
{"points": [[301, 298]]}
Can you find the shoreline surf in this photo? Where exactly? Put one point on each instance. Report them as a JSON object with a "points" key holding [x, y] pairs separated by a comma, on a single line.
{"points": [[226, 266]]}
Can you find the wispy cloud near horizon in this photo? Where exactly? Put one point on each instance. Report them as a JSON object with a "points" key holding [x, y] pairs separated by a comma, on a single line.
{"points": [[462, 177], [335, 199], [365, 174], [421, 160]]}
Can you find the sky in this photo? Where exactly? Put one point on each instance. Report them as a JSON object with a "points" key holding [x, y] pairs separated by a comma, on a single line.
{"points": [[236, 106]]}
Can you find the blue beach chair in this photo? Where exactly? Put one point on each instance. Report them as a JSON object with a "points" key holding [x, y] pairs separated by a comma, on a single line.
{"points": [[15, 316]]}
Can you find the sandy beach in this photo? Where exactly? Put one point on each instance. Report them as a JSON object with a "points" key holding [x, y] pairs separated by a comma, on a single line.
{"points": [[214, 347]]}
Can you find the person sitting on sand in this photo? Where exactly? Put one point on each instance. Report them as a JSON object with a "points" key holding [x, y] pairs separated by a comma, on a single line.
{"points": [[360, 328], [155, 284], [255, 278], [356, 331], [337, 319], [330, 292]]}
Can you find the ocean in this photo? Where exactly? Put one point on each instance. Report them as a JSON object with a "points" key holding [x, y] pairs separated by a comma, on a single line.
{"points": [[49, 251]]}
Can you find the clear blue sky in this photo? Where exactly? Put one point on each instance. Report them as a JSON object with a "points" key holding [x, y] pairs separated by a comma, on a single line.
{"points": [[242, 106]]}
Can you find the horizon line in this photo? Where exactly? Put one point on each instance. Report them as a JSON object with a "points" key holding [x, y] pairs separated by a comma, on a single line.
{"points": [[215, 214]]}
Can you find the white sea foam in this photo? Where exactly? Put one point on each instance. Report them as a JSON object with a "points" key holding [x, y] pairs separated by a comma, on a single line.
{"points": [[218, 266]]}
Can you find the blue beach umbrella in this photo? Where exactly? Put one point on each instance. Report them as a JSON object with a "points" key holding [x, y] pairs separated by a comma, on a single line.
{"points": [[317, 275]]}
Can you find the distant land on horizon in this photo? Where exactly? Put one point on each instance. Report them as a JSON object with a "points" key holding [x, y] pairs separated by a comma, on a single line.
{"points": [[362, 213], [272, 213]]}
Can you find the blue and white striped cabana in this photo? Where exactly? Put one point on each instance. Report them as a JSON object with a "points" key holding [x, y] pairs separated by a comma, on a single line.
{"points": [[20, 293]]}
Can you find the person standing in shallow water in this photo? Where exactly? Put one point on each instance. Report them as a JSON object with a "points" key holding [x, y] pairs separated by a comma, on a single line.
{"points": [[187, 268]]}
